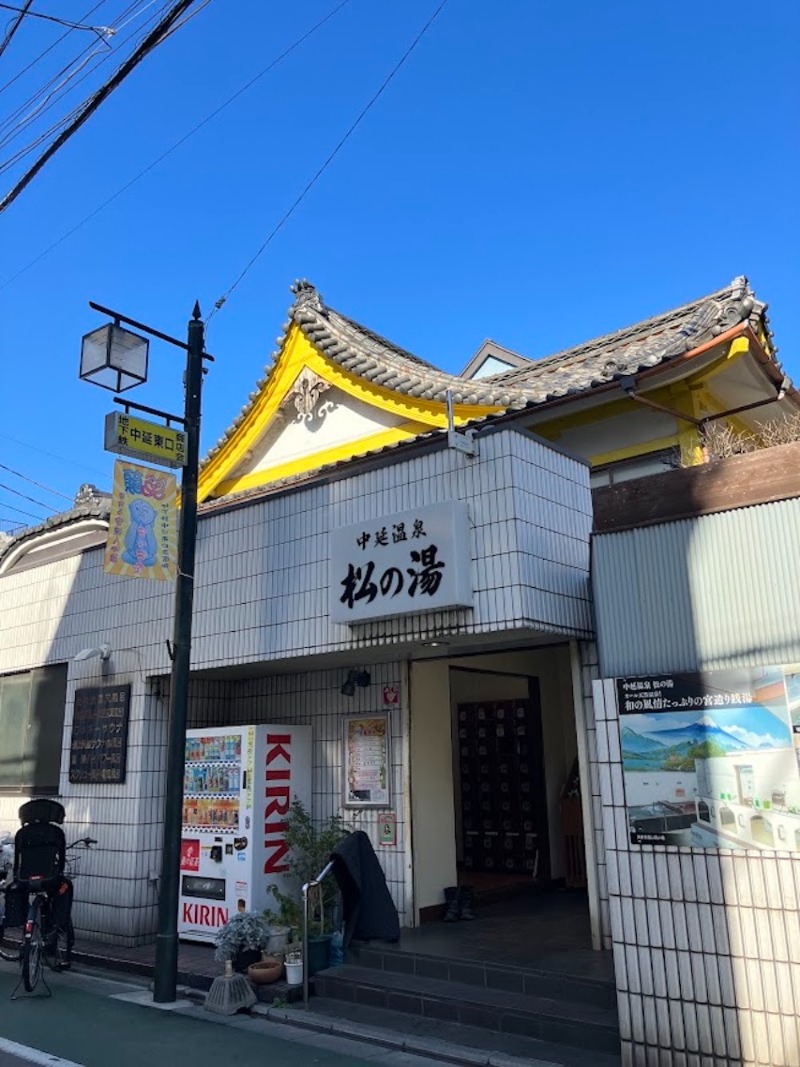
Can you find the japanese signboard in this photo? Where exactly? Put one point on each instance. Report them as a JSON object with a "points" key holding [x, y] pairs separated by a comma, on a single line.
{"points": [[399, 564], [710, 760], [142, 532], [131, 436], [99, 745], [388, 828], [366, 760]]}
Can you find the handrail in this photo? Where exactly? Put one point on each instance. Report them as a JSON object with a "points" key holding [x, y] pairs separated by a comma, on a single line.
{"points": [[306, 886]]}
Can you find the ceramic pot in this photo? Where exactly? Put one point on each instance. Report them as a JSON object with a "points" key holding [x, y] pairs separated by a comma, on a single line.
{"points": [[269, 969], [278, 939]]}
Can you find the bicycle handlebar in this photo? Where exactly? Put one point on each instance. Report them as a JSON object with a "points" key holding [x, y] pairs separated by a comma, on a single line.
{"points": [[87, 842]]}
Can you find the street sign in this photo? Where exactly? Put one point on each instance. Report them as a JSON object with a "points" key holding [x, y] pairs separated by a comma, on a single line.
{"points": [[131, 436]]}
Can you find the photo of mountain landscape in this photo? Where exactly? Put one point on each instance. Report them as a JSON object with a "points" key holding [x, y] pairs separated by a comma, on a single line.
{"points": [[673, 741]]}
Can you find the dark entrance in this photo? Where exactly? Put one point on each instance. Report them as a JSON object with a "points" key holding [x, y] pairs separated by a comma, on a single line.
{"points": [[503, 800]]}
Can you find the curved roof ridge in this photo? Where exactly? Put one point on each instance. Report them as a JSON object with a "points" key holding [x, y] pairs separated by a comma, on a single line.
{"points": [[737, 290]]}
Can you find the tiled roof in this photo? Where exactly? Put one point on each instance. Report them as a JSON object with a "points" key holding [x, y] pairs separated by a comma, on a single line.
{"points": [[571, 372], [90, 503]]}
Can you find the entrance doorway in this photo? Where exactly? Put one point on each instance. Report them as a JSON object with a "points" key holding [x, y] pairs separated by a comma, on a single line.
{"points": [[501, 799], [496, 794]]}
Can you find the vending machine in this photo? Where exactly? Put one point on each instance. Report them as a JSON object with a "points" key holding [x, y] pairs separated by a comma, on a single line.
{"points": [[238, 785]]}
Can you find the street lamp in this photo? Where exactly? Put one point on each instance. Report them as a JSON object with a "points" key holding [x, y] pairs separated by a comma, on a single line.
{"points": [[116, 359]]}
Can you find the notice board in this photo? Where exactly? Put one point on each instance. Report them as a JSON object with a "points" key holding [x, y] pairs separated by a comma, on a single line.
{"points": [[99, 747]]}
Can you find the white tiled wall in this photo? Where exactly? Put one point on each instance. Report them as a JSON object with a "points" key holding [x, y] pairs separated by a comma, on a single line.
{"points": [[261, 597], [706, 942]]}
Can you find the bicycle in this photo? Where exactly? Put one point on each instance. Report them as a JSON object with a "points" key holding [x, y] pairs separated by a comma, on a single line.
{"points": [[48, 937]]}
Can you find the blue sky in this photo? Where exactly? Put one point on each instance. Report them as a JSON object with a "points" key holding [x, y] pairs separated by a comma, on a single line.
{"points": [[536, 173]]}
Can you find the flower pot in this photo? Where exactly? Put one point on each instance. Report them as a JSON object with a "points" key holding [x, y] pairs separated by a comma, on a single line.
{"points": [[294, 972], [278, 939], [319, 949], [269, 969]]}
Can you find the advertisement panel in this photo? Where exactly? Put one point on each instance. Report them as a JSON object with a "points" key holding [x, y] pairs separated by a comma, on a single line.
{"points": [[710, 760], [142, 529]]}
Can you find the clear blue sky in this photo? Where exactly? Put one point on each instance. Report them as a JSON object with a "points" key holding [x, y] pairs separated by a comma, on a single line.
{"points": [[538, 173]]}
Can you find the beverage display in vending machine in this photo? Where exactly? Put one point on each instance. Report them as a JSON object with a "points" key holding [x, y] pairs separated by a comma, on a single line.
{"points": [[238, 784]]}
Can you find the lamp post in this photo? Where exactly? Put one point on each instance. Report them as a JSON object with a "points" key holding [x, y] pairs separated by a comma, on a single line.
{"points": [[116, 359]]}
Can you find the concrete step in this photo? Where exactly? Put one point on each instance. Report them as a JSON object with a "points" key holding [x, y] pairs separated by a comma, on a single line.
{"points": [[555, 985], [561, 1022], [450, 1042]]}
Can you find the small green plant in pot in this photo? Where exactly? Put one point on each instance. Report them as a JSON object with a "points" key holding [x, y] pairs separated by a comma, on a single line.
{"points": [[310, 846], [242, 939]]}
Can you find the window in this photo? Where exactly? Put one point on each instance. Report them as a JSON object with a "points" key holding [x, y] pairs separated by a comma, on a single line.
{"points": [[31, 729]]}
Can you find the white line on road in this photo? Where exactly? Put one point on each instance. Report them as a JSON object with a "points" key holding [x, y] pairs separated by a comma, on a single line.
{"points": [[34, 1055]]}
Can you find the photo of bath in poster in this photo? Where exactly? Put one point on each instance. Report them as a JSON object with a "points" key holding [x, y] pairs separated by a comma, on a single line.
{"points": [[709, 759]]}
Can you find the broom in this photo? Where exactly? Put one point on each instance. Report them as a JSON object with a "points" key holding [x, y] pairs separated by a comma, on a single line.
{"points": [[229, 993]]}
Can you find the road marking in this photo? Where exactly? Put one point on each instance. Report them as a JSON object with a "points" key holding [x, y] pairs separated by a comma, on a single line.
{"points": [[34, 1055]]}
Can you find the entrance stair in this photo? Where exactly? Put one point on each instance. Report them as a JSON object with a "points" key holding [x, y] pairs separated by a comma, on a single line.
{"points": [[544, 1016]]}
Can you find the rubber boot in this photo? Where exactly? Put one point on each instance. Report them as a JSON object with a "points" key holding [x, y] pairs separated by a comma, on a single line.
{"points": [[466, 902], [451, 900]]}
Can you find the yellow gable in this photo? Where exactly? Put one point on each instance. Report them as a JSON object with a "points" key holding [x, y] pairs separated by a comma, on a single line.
{"points": [[311, 412]]}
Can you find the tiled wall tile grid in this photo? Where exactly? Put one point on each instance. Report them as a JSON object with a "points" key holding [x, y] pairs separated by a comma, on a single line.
{"points": [[114, 894], [706, 942], [116, 897], [314, 699], [262, 588], [590, 672]]}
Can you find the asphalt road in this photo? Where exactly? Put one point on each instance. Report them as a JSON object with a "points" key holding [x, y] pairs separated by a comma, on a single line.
{"points": [[87, 1023]]}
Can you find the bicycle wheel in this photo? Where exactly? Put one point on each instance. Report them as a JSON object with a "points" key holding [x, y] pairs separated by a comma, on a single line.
{"points": [[32, 956]]}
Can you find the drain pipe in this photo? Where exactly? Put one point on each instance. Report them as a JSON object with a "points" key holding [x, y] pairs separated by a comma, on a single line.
{"points": [[462, 442]]}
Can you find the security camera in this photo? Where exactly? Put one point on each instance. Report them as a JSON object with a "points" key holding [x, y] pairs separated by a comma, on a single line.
{"points": [[103, 651]]}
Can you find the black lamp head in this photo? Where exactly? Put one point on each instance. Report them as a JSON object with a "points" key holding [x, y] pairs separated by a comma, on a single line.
{"points": [[349, 686]]}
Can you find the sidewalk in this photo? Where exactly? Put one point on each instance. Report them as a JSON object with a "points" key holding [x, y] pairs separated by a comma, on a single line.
{"points": [[197, 967]]}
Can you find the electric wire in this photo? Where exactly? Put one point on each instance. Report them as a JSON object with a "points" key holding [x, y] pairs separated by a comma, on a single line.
{"points": [[24, 496], [14, 26], [177, 144], [53, 455], [50, 18], [39, 485], [49, 49], [39, 518], [151, 42], [310, 185], [70, 72]]}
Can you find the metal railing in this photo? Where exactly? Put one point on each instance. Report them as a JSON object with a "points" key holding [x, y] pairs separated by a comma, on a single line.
{"points": [[315, 882]]}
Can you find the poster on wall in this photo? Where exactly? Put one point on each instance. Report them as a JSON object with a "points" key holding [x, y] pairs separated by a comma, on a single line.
{"points": [[712, 759], [366, 760], [142, 528]]}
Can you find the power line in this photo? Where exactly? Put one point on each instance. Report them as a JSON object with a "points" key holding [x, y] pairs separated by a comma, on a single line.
{"points": [[15, 25], [51, 18], [16, 492], [38, 485], [287, 215], [53, 455], [49, 48], [203, 122], [14, 123], [39, 518], [151, 41]]}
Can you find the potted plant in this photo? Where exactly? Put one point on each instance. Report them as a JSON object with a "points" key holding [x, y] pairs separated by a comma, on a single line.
{"points": [[242, 939], [310, 848], [294, 964]]}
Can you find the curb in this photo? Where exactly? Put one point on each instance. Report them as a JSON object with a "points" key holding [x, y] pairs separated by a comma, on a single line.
{"points": [[432, 1047]]}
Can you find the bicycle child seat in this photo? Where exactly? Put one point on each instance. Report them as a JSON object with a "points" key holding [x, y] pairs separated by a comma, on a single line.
{"points": [[40, 846]]}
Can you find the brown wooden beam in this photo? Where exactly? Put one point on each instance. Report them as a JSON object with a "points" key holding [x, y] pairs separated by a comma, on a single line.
{"points": [[761, 477]]}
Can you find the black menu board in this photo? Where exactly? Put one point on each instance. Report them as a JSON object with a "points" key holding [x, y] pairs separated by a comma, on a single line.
{"points": [[99, 748]]}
